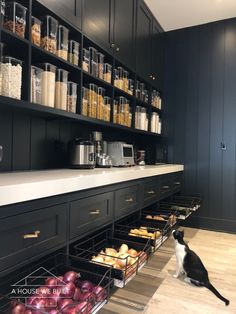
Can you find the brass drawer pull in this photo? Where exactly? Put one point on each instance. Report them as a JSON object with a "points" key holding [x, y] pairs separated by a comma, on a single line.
{"points": [[95, 212], [177, 183], [129, 200], [165, 187], [34, 235], [151, 192]]}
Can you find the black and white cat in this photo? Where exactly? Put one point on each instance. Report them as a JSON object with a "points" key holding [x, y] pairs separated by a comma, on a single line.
{"points": [[190, 264]]}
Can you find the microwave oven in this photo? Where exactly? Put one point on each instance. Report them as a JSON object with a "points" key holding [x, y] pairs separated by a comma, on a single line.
{"points": [[121, 154]]}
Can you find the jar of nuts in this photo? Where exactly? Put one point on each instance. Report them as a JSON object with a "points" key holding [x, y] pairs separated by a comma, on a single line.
{"points": [[49, 34], [15, 18], [36, 31]]}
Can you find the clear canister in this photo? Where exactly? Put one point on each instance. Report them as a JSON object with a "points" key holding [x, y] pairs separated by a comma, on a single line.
{"points": [[93, 61], [126, 81], [131, 87], [107, 111], [121, 78], [100, 57], [49, 34], [61, 89], [107, 72], [146, 98], [71, 96], [11, 69], [2, 11], [86, 60], [137, 90], [48, 84], [36, 31], [85, 100], [62, 42], [73, 53], [92, 100], [100, 105], [115, 110], [142, 88], [36, 85], [15, 18]]}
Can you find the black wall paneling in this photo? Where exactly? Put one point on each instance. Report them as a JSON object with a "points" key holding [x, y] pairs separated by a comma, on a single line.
{"points": [[200, 100]]}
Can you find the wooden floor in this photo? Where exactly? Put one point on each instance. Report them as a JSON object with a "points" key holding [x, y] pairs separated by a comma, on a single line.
{"points": [[155, 290]]}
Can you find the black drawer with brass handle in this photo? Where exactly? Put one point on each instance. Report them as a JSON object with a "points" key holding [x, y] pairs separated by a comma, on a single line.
{"points": [[88, 213], [166, 185], [126, 200], [30, 234], [151, 191], [177, 182]]}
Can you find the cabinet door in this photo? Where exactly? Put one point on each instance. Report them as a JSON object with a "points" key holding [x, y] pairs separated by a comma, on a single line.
{"points": [[98, 21], [124, 31], [151, 191], [143, 41], [126, 201]]}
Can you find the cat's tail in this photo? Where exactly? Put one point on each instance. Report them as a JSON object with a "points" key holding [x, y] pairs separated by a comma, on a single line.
{"points": [[209, 286]]}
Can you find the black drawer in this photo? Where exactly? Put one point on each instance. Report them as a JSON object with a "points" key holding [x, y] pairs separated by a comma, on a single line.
{"points": [[177, 182], [89, 213], [126, 200], [166, 184], [151, 191], [30, 234]]}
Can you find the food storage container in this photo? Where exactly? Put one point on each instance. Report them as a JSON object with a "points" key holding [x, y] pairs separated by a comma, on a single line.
{"points": [[48, 84], [62, 42], [116, 78], [36, 31], [86, 60], [137, 90], [146, 96], [61, 89], [49, 34], [92, 100], [123, 116], [141, 119], [115, 110], [15, 18], [121, 78], [100, 65], [155, 120], [2, 11], [100, 105], [107, 111], [85, 100], [126, 81], [1, 55], [93, 61], [36, 85], [131, 87], [107, 73], [11, 69], [142, 88], [73, 52], [71, 96]]}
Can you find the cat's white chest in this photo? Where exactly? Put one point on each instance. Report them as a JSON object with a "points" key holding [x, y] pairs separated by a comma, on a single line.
{"points": [[180, 253]]}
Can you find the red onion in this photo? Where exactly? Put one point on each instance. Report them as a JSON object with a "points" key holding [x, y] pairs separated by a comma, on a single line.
{"points": [[53, 311], [30, 300], [18, 309], [71, 276], [38, 305], [100, 293], [88, 296], [28, 312], [86, 286], [77, 294], [51, 282], [63, 303], [43, 291], [14, 303], [51, 303], [55, 295], [68, 290], [78, 308]]}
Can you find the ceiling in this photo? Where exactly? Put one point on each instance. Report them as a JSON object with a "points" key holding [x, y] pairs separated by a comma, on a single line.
{"points": [[174, 14]]}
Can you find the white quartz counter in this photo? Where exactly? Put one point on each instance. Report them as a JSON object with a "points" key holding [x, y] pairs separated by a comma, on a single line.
{"points": [[18, 187]]}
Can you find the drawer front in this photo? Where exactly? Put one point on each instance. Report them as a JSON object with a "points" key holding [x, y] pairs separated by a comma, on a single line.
{"points": [[166, 186], [177, 182], [89, 213], [151, 191], [126, 200], [28, 235]]}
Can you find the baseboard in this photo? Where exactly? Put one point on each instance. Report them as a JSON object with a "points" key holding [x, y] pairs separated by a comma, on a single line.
{"points": [[211, 224]]}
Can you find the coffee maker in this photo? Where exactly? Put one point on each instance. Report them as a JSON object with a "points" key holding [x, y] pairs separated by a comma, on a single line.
{"points": [[101, 157]]}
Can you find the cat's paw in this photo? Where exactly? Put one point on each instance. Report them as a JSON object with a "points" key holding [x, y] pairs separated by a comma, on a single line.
{"points": [[175, 276]]}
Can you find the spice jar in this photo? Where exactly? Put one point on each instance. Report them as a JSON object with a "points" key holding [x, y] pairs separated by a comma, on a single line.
{"points": [[1, 54], [73, 52], [15, 18], [48, 84], [100, 105], [71, 96], [86, 60], [2, 11], [49, 34], [107, 109], [36, 31], [36, 88], [85, 100], [11, 69], [100, 57], [62, 42], [107, 73], [61, 89], [92, 100], [131, 87], [93, 61]]}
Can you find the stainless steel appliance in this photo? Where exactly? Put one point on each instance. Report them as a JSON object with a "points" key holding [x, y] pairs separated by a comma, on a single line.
{"points": [[102, 159], [81, 154], [122, 154]]}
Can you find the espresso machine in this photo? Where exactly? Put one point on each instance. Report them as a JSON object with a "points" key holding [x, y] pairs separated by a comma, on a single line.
{"points": [[101, 157]]}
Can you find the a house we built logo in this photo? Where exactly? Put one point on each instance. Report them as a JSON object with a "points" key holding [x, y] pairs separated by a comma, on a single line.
{"points": [[35, 285]]}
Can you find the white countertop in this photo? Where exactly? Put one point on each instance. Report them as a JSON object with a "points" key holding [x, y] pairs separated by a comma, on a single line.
{"points": [[24, 186]]}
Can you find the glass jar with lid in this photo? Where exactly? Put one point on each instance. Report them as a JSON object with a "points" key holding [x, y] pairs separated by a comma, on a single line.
{"points": [[35, 31], [85, 101], [154, 122], [100, 106], [11, 69], [61, 89], [48, 84], [62, 42], [126, 81], [73, 55], [137, 90], [15, 18], [107, 72], [36, 85], [130, 87], [107, 111], [115, 110], [100, 57], [86, 60], [49, 34], [92, 100], [121, 78], [71, 96], [93, 61]]}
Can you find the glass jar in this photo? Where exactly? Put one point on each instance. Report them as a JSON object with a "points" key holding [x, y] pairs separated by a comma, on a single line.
{"points": [[107, 73], [100, 57], [137, 90], [92, 100], [71, 96], [15, 18], [62, 42], [86, 60], [146, 97], [131, 87], [61, 89], [35, 31], [125, 81], [100, 105], [115, 110], [121, 78], [73, 55], [36, 85], [93, 61], [154, 122], [49, 34], [1, 55], [85, 100], [2, 11], [48, 84], [11, 69], [116, 78], [107, 109]]}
